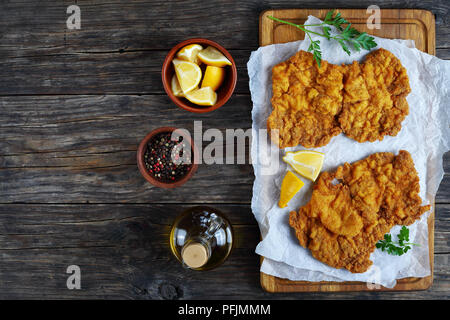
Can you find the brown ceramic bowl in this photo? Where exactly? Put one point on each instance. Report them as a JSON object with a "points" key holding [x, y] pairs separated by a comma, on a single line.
{"points": [[223, 93], [148, 176]]}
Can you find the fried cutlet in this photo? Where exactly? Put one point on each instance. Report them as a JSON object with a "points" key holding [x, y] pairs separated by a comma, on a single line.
{"points": [[374, 103], [311, 105], [306, 101], [352, 208]]}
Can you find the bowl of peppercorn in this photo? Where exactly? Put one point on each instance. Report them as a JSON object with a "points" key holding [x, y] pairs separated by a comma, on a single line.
{"points": [[166, 157]]}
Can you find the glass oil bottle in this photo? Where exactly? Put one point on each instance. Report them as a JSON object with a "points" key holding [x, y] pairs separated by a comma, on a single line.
{"points": [[201, 238]]}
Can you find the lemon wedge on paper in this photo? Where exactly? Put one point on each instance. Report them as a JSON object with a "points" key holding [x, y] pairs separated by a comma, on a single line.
{"points": [[190, 52], [214, 77], [203, 96], [188, 73], [213, 57], [308, 163], [289, 187]]}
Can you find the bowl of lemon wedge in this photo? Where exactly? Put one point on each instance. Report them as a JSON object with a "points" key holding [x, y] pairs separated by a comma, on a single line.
{"points": [[199, 75]]}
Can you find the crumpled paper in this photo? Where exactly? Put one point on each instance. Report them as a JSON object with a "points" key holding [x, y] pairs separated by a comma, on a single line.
{"points": [[425, 134]]}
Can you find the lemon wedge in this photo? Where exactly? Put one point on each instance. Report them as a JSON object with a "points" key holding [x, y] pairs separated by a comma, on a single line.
{"points": [[289, 187], [214, 77], [213, 57], [203, 97], [188, 73], [175, 86], [190, 52], [308, 163]]}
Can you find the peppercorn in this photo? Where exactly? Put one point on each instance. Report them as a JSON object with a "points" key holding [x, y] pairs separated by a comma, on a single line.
{"points": [[160, 164]]}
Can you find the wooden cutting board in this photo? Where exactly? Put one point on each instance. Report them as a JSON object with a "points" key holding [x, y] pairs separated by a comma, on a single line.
{"points": [[417, 25]]}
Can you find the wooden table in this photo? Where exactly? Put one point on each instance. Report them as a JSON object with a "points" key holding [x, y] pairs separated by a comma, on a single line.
{"points": [[74, 106]]}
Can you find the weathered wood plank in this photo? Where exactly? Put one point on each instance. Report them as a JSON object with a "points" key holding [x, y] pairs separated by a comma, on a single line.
{"points": [[442, 230], [77, 149], [120, 24], [123, 252], [443, 53], [128, 72], [131, 72], [83, 148], [121, 45], [49, 226], [66, 124], [443, 194]]}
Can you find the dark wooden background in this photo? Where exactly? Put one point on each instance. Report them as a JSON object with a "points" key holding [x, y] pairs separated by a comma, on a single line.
{"points": [[73, 108]]}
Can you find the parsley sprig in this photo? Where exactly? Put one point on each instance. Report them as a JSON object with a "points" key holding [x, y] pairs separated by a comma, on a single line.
{"points": [[396, 248], [347, 37]]}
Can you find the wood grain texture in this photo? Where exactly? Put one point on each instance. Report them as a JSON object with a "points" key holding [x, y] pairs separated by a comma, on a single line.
{"points": [[123, 253], [77, 149], [74, 105], [62, 149], [418, 25], [122, 44], [114, 25], [121, 72]]}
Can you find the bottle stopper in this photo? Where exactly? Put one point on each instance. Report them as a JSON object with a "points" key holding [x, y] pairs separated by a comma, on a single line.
{"points": [[195, 255]]}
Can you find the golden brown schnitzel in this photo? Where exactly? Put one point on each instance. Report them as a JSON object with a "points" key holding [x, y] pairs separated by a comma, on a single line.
{"points": [[306, 101], [311, 105], [343, 221], [374, 97]]}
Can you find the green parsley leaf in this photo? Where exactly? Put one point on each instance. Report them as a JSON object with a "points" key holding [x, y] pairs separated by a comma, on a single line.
{"points": [[396, 248], [347, 37]]}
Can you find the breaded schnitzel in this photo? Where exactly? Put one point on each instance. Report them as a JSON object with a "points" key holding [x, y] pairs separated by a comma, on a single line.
{"points": [[374, 97], [343, 222], [306, 101], [311, 105]]}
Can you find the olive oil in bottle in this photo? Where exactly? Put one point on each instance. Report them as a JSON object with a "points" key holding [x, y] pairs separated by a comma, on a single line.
{"points": [[201, 238]]}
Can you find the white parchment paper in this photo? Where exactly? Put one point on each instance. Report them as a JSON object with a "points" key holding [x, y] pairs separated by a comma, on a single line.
{"points": [[425, 134]]}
